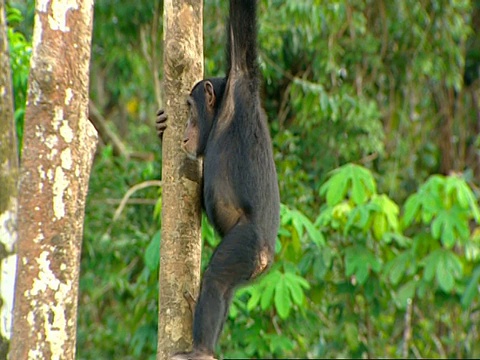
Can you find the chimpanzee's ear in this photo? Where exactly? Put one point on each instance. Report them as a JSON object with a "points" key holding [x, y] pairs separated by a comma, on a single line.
{"points": [[209, 95]]}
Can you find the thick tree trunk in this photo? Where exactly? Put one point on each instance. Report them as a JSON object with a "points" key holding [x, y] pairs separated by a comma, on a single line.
{"points": [[180, 252], [8, 192], [59, 144]]}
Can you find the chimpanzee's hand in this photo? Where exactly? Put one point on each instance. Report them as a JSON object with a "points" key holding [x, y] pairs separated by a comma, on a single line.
{"points": [[161, 123]]}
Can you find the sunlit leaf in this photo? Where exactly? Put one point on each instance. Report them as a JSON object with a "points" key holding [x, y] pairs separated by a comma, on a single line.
{"points": [[254, 299], [412, 207], [315, 235], [269, 282], [379, 225], [283, 302], [359, 195]]}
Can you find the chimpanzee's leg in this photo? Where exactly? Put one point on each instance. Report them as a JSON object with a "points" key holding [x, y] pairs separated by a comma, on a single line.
{"points": [[233, 263]]}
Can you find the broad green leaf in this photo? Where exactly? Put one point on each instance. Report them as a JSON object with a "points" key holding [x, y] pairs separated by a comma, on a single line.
{"points": [[412, 207], [359, 260], [351, 177], [297, 279], [254, 299], [314, 234], [444, 277], [359, 195], [295, 290], [395, 269], [445, 266], [285, 214], [389, 208], [472, 289], [461, 192], [267, 296], [269, 282], [473, 203], [431, 263], [283, 302], [337, 190], [379, 226], [152, 252], [361, 274], [297, 223], [406, 292], [453, 263]]}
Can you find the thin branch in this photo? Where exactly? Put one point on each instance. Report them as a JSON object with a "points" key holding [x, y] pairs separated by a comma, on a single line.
{"points": [[407, 333], [129, 202], [107, 136], [416, 352], [130, 192], [276, 326]]}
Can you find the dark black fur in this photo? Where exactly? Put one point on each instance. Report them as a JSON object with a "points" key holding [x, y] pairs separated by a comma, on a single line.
{"points": [[240, 190]]}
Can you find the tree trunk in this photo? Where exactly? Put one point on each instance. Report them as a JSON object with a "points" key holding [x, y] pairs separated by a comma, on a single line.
{"points": [[59, 144], [180, 252], [9, 192]]}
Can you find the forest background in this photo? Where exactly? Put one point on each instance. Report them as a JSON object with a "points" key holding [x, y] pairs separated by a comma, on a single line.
{"points": [[374, 112]]}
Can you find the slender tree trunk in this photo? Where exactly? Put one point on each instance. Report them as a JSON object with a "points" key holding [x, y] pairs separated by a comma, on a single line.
{"points": [[180, 252], [59, 144], [9, 191]]}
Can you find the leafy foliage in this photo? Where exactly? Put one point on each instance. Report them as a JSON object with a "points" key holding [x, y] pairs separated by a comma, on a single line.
{"points": [[20, 52]]}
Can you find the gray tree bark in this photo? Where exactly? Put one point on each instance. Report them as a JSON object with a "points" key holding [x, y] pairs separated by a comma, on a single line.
{"points": [[180, 252], [59, 144], [8, 192]]}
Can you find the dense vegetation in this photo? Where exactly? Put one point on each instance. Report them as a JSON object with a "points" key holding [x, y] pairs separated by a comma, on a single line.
{"points": [[374, 111]]}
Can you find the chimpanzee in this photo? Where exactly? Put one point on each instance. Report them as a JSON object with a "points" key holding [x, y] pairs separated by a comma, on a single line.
{"points": [[228, 128]]}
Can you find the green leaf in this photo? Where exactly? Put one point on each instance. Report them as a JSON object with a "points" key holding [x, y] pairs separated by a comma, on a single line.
{"points": [[295, 290], [297, 279], [453, 264], [431, 263], [412, 207], [283, 302], [395, 269], [445, 266], [360, 180], [267, 296], [314, 234], [379, 226], [472, 289], [254, 298], [444, 278], [389, 208], [359, 261], [270, 280], [336, 189], [152, 252], [359, 195], [406, 292]]}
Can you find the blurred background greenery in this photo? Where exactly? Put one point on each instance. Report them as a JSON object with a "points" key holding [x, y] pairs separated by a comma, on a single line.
{"points": [[374, 112]]}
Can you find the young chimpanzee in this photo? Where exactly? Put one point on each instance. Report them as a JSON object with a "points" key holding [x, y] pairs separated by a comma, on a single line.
{"points": [[228, 128]]}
